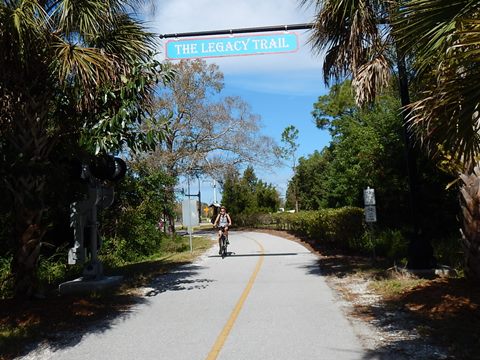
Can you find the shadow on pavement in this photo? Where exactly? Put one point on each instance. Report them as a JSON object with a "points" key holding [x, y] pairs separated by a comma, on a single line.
{"points": [[59, 322], [178, 280], [232, 254], [414, 326]]}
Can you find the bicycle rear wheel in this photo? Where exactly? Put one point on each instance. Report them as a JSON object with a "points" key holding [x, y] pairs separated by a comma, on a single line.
{"points": [[224, 246]]}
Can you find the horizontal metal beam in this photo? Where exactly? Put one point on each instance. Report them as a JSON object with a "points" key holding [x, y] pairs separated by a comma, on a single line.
{"points": [[240, 31]]}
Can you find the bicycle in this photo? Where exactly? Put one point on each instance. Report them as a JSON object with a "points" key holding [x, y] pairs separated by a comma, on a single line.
{"points": [[223, 243]]}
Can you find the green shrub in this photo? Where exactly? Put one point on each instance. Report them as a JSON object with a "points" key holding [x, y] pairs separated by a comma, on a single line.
{"points": [[253, 220], [6, 281], [136, 237], [54, 268], [448, 251], [387, 243], [338, 227]]}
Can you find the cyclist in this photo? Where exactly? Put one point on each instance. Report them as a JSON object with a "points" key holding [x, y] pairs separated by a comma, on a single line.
{"points": [[223, 222]]}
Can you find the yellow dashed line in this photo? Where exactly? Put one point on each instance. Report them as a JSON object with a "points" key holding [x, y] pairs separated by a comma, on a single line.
{"points": [[217, 347]]}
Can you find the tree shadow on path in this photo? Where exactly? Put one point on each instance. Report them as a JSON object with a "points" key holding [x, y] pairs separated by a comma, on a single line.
{"points": [[59, 322], [438, 319]]}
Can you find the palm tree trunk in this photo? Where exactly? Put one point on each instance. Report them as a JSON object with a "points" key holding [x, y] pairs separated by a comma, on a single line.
{"points": [[26, 182], [470, 206], [27, 192], [29, 234], [420, 250]]}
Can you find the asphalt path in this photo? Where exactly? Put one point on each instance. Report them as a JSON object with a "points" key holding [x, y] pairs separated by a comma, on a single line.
{"points": [[267, 300]]}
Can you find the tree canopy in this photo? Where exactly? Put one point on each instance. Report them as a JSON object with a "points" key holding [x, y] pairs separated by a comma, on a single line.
{"points": [[244, 195], [205, 132], [367, 151], [76, 80]]}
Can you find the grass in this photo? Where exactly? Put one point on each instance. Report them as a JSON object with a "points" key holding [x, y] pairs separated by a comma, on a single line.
{"points": [[392, 287], [30, 322]]}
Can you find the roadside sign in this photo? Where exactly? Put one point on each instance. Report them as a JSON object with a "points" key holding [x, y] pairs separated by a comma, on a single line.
{"points": [[190, 213], [370, 213], [193, 48], [369, 201], [369, 196]]}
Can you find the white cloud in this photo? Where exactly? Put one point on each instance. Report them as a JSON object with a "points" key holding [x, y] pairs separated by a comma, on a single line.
{"points": [[174, 16], [177, 16]]}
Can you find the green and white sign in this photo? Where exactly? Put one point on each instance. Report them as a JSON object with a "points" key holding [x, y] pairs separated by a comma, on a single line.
{"points": [[231, 46]]}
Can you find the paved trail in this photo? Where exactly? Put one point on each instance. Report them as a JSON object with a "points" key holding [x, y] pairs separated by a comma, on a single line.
{"points": [[266, 301]]}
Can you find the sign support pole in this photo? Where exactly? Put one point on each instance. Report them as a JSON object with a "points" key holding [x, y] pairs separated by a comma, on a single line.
{"points": [[240, 31], [190, 227]]}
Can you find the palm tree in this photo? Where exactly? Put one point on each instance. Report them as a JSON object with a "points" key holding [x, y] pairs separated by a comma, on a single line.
{"points": [[444, 35], [57, 58], [356, 39]]}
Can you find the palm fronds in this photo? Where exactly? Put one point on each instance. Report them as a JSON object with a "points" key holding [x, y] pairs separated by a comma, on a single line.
{"points": [[371, 78], [351, 35], [445, 38]]}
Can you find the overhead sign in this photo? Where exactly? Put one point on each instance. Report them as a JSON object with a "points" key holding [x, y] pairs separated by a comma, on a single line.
{"points": [[231, 46]]}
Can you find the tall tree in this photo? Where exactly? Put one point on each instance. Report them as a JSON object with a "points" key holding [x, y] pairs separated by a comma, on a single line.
{"points": [[289, 151], [244, 195], [72, 72], [203, 129], [445, 37], [310, 180], [366, 151], [205, 132], [357, 38]]}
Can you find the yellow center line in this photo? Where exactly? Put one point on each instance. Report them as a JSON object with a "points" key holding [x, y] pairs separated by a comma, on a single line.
{"points": [[217, 347]]}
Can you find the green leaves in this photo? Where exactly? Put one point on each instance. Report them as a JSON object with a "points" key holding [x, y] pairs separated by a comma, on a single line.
{"points": [[338, 227], [366, 150], [126, 116], [289, 139], [248, 195], [445, 38]]}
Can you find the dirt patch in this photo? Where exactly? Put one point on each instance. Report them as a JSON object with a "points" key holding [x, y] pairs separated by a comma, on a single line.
{"points": [[449, 311]]}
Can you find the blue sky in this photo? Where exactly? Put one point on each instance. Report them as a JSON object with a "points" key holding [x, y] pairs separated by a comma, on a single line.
{"points": [[281, 88]]}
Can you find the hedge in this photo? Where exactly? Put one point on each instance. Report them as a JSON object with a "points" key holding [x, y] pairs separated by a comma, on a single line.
{"points": [[340, 227]]}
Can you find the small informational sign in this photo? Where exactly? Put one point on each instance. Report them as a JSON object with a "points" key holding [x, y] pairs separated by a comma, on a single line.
{"points": [[369, 201], [231, 46], [370, 214], [369, 196], [190, 213]]}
